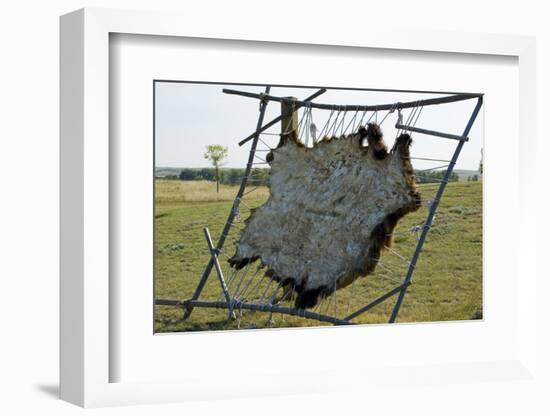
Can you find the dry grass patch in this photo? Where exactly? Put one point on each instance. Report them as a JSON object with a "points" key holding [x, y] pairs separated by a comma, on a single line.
{"points": [[173, 191]]}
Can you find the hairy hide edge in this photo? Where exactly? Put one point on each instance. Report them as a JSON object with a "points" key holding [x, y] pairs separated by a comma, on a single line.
{"points": [[358, 193]]}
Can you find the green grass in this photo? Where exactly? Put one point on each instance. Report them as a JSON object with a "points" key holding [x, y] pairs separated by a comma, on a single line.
{"points": [[447, 284]]}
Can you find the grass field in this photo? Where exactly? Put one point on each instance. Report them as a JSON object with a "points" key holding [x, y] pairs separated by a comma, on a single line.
{"points": [[447, 284]]}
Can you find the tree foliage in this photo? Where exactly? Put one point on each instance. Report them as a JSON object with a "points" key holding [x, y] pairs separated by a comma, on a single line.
{"points": [[260, 176], [227, 176], [434, 176]]}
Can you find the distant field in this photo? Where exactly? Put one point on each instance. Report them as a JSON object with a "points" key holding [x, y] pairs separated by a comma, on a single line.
{"points": [[447, 284], [176, 191]]}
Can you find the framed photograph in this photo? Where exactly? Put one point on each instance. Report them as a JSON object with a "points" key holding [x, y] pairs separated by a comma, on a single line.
{"points": [[332, 203], [294, 207]]}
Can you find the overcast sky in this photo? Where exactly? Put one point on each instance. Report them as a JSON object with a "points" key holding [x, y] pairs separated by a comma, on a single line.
{"points": [[191, 116]]}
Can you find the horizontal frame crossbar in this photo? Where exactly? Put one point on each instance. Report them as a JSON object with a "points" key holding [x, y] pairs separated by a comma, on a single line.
{"points": [[381, 107], [237, 305], [431, 132], [267, 307]]}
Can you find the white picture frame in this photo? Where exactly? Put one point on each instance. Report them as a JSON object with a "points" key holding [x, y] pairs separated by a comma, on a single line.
{"points": [[85, 354]]}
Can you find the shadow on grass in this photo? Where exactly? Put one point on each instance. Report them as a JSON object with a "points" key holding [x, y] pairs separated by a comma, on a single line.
{"points": [[225, 324]]}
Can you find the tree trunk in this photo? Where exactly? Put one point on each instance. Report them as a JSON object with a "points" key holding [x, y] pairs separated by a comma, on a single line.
{"points": [[217, 181]]}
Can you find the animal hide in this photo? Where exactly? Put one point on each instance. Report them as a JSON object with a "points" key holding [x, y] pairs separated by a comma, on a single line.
{"points": [[332, 209]]}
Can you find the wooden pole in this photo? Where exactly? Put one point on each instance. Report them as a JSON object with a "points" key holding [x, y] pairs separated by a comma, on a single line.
{"points": [[278, 118], [289, 121], [353, 107]]}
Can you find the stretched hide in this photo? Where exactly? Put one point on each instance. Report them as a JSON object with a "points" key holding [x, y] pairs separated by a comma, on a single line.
{"points": [[331, 211]]}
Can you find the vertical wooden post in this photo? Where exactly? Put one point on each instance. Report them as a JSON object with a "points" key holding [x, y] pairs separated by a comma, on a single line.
{"points": [[289, 122]]}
